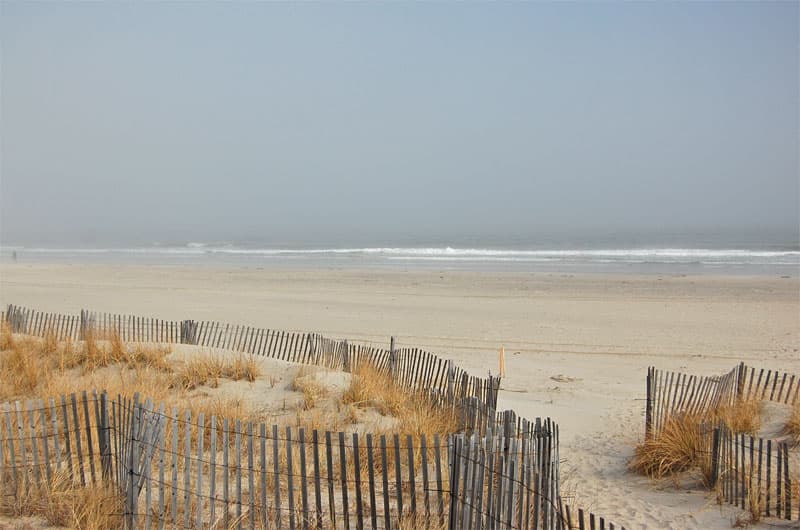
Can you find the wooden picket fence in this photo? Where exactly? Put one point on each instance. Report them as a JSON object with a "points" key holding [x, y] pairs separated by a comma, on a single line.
{"points": [[749, 472], [671, 393], [582, 520], [413, 368], [766, 386], [71, 438], [754, 472], [174, 470], [674, 393]]}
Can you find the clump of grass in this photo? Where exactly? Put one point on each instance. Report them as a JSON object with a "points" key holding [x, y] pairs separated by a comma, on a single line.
{"points": [[116, 380], [755, 507], [65, 504], [6, 336], [148, 356], [118, 349], [93, 355], [679, 446], [22, 365], [416, 413], [243, 366], [792, 427], [208, 368], [231, 409], [370, 387], [50, 343], [204, 369], [743, 416], [755, 503], [312, 390], [66, 354]]}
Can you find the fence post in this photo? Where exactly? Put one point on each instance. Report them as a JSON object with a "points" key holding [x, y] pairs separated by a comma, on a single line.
{"points": [[82, 335], [188, 332], [133, 458], [740, 375], [392, 359], [714, 458], [455, 446], [104, 437], [450, 382], [648, 412]]}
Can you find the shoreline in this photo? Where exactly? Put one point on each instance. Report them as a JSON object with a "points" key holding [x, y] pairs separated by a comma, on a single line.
{"points": [[587, 270]]}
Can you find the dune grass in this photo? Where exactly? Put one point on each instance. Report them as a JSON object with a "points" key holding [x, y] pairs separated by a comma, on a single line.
{"points": [[306, 383], [39, 368], [33, 367], [61, 502], [678, 447], [415, 411], [743, 416], [682, 444], [207, 369], [792, 427]]}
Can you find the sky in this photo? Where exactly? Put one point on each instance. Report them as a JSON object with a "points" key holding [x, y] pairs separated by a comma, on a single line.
{"points": [[134, 123]]}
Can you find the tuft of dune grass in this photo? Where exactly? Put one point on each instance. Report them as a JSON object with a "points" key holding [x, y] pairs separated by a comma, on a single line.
{"points": [[207, 369], [242, 367], [311, 389], [678, 447], [22, 366], [792, 427], [416, 412], [743, 416], [63, 503], [50, 343], [204, 369], [6, 336]]}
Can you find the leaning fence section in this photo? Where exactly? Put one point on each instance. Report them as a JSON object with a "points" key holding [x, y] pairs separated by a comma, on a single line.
{"points": [[416, 369], [673, 393], [206, 472], [756, 474], [69, 440], [173, 469], [771, 385], [500, 482]]}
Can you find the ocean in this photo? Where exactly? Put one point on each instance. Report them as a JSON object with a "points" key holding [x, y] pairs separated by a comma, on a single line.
{"points": [[747, 256]]}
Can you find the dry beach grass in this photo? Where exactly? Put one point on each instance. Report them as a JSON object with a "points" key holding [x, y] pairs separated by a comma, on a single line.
{"points": [[198, 382]]}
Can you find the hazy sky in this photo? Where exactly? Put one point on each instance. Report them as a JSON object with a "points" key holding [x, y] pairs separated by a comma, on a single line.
{"points": [[187, 121]]}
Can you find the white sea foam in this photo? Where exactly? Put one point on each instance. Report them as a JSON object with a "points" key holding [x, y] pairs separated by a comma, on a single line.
{"points": [[634, 255]]}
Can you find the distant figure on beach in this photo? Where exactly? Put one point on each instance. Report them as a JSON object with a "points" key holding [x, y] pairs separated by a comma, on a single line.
{"points": [[14, 256]]}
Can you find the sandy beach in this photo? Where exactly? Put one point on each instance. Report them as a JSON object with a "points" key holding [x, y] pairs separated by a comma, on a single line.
{"points": [[577, 346]]}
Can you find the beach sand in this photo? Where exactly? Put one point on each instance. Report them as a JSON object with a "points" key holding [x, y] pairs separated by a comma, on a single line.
{"points": [[577, 346]]}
